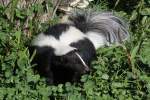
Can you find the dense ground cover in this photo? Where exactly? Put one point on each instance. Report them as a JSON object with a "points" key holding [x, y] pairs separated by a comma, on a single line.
{"points": [[120, 72]]}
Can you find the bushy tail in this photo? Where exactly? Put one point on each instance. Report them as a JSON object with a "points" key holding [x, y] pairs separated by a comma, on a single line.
{"points": [[106, 24]]}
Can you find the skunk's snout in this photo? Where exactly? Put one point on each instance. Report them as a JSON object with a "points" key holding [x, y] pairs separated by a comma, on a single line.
{"points": [[80, 68], [82, 62], [75, 62], [86, 70]]}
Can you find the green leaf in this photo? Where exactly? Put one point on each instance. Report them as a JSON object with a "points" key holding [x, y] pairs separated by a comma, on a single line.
{"points": [[134, 15], [18, 36], [145, 53], [19, 14], [117, 85], [145, 11], [144, 20], [60, 88], [105, 76]]}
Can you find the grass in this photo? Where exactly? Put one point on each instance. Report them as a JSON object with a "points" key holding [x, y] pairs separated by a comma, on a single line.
{"points": [[120, 72]]}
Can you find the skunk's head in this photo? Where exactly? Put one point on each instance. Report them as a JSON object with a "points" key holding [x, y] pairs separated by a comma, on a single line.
{"points": [[73, 61]]}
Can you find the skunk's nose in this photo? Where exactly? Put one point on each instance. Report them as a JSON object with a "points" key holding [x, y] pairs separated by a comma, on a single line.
{"points": [[86, 70]]}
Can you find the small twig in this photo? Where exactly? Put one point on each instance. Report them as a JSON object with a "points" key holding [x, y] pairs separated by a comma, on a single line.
{"points": [[3, 2], [7, 6], [117, 2], [55, 8], [128, 56]]}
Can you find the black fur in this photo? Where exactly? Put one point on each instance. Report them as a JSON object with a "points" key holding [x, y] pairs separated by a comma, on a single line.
{"points": [[86, 50], [43, 60], [80, 22], [66, 68], [69, 68], [56, 30]]}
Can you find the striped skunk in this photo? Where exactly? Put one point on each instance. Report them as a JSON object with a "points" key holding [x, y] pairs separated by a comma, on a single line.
{"points": [[64, 51]]}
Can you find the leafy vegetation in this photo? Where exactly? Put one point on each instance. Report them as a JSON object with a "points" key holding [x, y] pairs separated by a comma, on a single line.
{"points": [[119, 73]]}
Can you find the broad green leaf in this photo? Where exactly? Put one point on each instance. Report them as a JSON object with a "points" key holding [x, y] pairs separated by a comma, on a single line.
{"points": [[145, 11]]}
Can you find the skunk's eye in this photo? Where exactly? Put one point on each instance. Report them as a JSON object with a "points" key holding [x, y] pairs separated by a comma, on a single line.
{"points": [[75, 50]]}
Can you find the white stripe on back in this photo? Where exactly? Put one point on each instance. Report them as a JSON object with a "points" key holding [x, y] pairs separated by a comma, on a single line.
{"points": [[97, 39], [61, 45]]}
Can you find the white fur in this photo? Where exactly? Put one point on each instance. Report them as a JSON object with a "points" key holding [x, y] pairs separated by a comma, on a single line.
{"points": [[85, 65], [97, 39], [71, 35], [61, 45]]}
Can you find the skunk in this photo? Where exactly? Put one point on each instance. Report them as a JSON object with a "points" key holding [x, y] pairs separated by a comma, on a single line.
{"points": [[65, 51]]}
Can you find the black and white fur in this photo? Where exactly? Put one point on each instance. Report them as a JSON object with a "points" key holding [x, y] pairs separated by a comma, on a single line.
{"points": [[101, 28], [64, 51]]}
